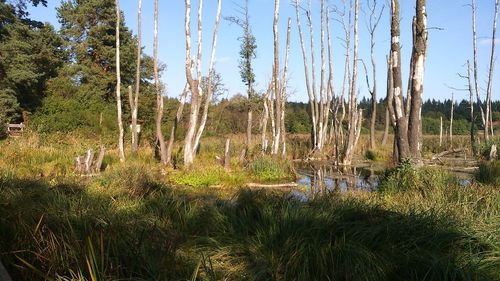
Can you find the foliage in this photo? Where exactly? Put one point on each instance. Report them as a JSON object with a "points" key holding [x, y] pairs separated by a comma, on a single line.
{"points": [[74, 231], [373, 155], [489, 173], [483, 149], [407, 177], [270, 169]]}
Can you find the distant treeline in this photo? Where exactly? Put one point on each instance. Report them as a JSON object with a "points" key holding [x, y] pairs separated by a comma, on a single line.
{"points": [[65, 79]]}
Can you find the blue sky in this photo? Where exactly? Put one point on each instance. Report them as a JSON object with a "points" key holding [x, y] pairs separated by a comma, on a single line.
{"points": [[448, 49]]}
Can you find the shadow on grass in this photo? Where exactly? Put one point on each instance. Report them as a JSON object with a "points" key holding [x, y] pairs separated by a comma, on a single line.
{"points": [[70, 232]]}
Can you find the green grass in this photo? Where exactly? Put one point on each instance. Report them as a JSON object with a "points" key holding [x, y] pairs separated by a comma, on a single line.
{"points": [[489, 173], [138, 221], [102, 231]]}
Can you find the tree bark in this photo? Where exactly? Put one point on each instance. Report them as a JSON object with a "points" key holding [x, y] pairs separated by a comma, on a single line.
{"points": [[389, 110], [135, 134], [175, 123], [159, 97], [354, 115], [372, 27], [195, 131], [417, 81], [284, 89], [451, 119], [471, 103], [476, 79], [118, 85], [277, 91], [490, 74], [401, 128]]}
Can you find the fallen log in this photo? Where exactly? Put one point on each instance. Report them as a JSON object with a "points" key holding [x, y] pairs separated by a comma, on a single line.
{"points": [[4, 275], [444, 153], [279, 185]]}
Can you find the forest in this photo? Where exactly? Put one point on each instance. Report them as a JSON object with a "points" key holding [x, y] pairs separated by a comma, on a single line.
{"points": [[339, 160]]}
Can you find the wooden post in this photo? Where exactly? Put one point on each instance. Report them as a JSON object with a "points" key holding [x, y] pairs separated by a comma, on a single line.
{"points": [[118, 85], [100, 158], [227, 156], [441, 133], [451, 120], [88, 160], [4, 275]]}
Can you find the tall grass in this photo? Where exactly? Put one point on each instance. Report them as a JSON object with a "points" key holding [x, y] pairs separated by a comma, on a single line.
{"points": [[102, 231]]}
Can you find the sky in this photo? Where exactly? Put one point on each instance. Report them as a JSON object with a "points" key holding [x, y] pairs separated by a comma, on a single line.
{"points": [[449, 48]]}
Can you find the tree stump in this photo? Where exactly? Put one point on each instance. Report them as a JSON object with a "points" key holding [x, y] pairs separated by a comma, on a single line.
{"points": [[86, 165]]}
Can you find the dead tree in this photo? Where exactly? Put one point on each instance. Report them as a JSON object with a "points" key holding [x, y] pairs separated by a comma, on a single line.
{"points": [[118, 85], [195, 130], [441, 133], [159, 97], [451, 119], [135, 103], [175, 123], [419, 52], [265, 118], [471, 103], [277, 106], [488, 116], [372, 24], [284, 89], [319, 107], [476, 79], [401, 125], [247, 55], [389, 109], [355, 115]]}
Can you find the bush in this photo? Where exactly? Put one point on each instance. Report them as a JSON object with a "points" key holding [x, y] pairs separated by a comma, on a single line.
{"points": [[489, 173], [406, 177], [483, 149], [269, 169], [372, 155]]}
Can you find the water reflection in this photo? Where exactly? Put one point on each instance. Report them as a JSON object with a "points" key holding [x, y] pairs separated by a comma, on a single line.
{"points": [[323, 178], [320, 178]]}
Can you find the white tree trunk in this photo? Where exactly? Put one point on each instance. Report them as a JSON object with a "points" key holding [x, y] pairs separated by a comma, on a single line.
{"points": [[118, 85]]}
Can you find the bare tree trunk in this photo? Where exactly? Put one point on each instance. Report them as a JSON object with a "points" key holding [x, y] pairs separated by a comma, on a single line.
{"points": [[471, 103], [306, 74], [441, 133], [401, 128], [133, 110], [451, 120], [194, 132], [417, 77], [208, 98], [389, 110], [284, 89], [277, 92], [265, 118], [476, 79], [490, 73], [159, 97], [372, 27], [135, 134], [354, 115], [175, 123], [330, 91], [227, 156], [118, 85]]}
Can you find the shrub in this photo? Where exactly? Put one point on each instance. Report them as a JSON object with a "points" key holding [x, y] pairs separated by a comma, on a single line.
{"points": [[406, 177], [266, 168], [372, 155], [489, 173], [483, 149]]}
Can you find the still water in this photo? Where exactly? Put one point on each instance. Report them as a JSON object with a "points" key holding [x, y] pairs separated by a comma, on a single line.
{"points": [[323, 178]]}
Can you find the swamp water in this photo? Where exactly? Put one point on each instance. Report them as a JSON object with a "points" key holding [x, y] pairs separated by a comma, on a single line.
{"points": [[320, 178]]}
